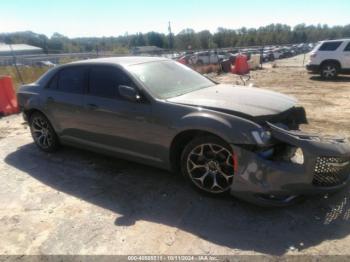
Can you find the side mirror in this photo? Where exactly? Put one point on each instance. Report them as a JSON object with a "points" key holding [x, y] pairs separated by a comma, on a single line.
{"points": [[129, 93]]}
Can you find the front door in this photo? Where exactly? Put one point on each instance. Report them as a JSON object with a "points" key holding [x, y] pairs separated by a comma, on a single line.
{"points": [[114, 123]]}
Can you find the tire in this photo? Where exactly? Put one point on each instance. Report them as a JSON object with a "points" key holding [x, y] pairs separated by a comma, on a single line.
{"points": [[43, 133], [329, 70], [208, 164]]}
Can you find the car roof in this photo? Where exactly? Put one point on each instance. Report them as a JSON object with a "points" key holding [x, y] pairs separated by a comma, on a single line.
{"points": [[124, 61], [335, 40]]}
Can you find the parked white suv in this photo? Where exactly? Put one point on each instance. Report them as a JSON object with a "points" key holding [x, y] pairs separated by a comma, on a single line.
{"points": [[329, 58]]}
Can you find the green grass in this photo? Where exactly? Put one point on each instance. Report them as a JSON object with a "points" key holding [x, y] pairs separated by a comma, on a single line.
{"points": [[29, 74]]}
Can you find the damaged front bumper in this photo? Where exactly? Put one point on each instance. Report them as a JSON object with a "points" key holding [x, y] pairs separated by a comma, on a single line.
{"points": [[273, 179]]}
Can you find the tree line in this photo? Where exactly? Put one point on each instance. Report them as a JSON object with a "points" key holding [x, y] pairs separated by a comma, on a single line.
{"points": [[274, 34]]}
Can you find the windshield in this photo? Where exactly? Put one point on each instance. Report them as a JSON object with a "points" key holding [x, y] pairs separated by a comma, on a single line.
{"points": [[166, 79]]}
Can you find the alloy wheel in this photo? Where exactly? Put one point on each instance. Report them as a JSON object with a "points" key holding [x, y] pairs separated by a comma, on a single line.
{"points": [[329, 71], [42, 132], [211, 167]]}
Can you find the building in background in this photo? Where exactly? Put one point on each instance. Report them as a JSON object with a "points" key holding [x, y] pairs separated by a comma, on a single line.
{"points": [[16, 54], [19, 49]]}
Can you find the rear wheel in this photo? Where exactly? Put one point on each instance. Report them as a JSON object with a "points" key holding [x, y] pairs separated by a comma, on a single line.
{"points": [[329, 70], [43, 133], [208, 164]]}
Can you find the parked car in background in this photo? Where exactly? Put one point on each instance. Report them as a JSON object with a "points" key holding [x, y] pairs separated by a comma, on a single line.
{"points": [[155, 111], [268, 56], [173, 55], [44, 64], [329, 58], [277, 53], [207, 57], [287, 52], [185, 59]]}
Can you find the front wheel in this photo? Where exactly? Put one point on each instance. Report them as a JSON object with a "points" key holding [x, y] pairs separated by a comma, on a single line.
{"points": [[208, 164], [43, 133]]}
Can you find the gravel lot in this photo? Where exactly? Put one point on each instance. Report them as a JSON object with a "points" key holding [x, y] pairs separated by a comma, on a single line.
{"points": [[77, 202]]}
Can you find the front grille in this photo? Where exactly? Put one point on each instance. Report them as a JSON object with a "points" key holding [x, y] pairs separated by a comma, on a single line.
{"points": [[331, 171]]}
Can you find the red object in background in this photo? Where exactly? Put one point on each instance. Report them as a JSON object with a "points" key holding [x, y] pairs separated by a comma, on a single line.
{"points": [[8, 98], [182, 60], [241, 65]]}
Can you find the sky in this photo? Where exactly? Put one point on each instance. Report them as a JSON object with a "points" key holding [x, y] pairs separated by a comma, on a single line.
{"points": [[78, 18]]}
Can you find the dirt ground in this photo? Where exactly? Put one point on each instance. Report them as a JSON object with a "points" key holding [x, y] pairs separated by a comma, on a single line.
{"points": [[77, 202]]}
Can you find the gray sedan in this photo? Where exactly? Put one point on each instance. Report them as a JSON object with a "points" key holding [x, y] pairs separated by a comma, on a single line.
{"points": [[155, 111]]}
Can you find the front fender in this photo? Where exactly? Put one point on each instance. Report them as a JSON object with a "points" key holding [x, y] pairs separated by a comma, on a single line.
{"points": [[232, 129]]}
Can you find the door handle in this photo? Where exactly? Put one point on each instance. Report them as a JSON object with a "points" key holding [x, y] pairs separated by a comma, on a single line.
{"points": [[92, 106], [50, 99]]}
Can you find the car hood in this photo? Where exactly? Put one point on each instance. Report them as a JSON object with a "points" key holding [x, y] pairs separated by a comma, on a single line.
{"points": [[244, 100]]}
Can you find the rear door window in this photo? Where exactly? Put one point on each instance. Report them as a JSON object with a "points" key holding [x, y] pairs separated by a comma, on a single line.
{"points": [[72, 80], [330, 46], [347, 48], [104, 81]]}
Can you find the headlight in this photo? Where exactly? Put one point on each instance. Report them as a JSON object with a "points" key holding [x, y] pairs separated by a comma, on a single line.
{"points": [[261, 137], [298, 157]]}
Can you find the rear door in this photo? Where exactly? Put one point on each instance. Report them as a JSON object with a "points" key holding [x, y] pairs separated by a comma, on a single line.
{"points": [[346, 56], [113, 123], [63, 99]]}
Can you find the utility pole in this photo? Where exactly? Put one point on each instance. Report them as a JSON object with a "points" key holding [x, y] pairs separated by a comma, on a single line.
{"points": [[170, 36], [15, 64], [97, 50]]}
